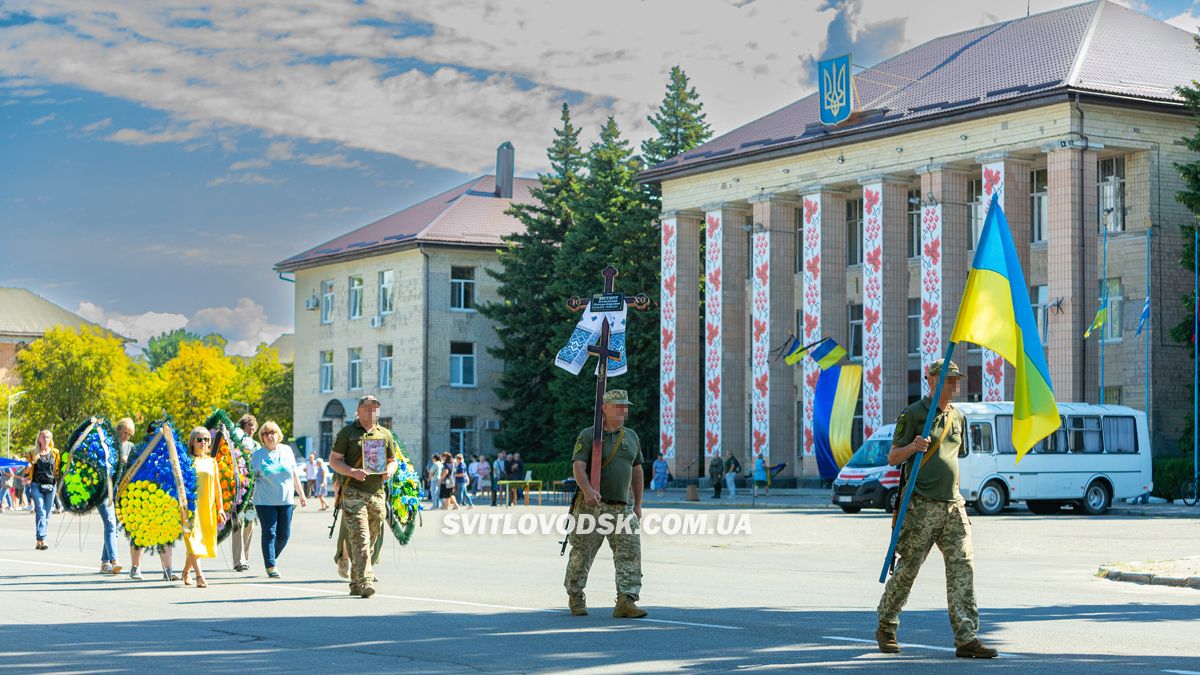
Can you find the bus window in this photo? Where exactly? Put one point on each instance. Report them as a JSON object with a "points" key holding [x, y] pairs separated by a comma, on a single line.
{"points": [[1004, 445], [981, 439], [1120, 435], [1085, 433]]}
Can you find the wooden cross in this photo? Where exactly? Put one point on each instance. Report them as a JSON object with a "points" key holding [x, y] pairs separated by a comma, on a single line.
{"points": [[608, 301]]}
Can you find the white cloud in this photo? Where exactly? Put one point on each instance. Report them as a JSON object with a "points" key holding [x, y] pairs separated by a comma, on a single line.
{"points": [[244, 325], [138, 137], [140, 327], [249, 164], [1187, 21], [43, 119], [334, 161], [244, 179], [97, 125]]}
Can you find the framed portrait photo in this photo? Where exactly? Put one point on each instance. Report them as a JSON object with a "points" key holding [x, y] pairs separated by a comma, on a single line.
{"points": [[374, 454]]}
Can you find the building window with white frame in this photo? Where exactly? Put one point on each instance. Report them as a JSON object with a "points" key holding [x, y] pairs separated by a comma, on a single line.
{"points": [[327, 301], [462, 364], [462, 288], [855, 348], [978, 209], [387, 291], [462, 435], [854, 231], [1039, 202], [914, 326], [356, 298], [914, 223], [799, 214], [355, 371], [1111, 177], [1111, 331], [748, 226], [385, 366], [326, 372], [1041, 311]]}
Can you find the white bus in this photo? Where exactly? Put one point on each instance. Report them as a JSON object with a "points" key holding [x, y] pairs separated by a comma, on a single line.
{"points": [[1101, 453]]}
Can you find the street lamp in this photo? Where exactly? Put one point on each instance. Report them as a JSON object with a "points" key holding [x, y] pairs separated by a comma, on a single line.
{"points": [[8, 426]]}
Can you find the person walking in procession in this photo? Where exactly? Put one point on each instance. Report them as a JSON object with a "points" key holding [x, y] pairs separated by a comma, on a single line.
{"points": [[360, 446], [210, 514], [716, 473], [937, 515], [277, 486], [619, 498], [732, 468], [125, 446], [44, 472], [243, 524]]}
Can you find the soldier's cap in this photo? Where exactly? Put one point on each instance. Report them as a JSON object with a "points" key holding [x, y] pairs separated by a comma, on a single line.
{"points": [[368, 399], [935, 369], [617, 397]]}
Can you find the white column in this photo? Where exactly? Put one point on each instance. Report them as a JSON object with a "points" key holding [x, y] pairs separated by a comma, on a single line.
{"points": [[872, 308], [668, 315], [932, 348], [713, 344], [760, 340], [810, 331], [993, 363]]}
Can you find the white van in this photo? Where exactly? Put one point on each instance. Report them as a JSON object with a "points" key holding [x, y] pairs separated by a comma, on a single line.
{"points": [[867, 481], [1101, 453]]}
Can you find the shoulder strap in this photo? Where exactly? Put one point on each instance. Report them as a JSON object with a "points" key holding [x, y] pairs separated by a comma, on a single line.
{"points": [[612, 455]]}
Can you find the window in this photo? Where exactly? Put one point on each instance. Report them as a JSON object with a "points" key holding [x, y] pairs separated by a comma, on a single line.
{"points": [[387, 285], [854, 231], [981, 438], [1052, 444], [914, 223], [462, 435], [385, 366], [978, 208], [856, 427], [1085, 433], [355, 367], [462, 364], [356, 298], [1113, 294], [1111, 175], [326, 371], [1120, 435], [1039, 202], [1112, 396], [1041, 310], [326, 302], [462, 287], [914, 326], [326, 438], [748, 226], [855, 348], [799, 241]]}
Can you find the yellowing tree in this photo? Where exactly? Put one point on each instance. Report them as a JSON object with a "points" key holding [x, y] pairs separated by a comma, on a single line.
{"points": [[199, 379], [68, 375]]}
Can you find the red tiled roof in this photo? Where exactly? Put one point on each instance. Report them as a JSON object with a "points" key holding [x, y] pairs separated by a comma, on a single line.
{"points": [[1098, 47], [470, 214]]}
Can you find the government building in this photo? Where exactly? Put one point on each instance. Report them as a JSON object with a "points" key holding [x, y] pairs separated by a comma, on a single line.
{"points": [[864, 232], [391, 309]]}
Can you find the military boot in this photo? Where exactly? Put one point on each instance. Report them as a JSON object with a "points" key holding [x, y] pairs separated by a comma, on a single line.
{"points": [[975, 650], [887, 641], [627, 609], [578, 603]]}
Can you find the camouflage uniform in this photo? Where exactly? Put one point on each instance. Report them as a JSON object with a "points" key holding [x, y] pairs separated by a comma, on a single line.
{"points": [[365, 512], [626, 548]]}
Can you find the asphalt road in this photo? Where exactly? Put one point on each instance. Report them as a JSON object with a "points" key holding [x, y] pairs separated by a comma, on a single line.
{"points": [[797, 593]]}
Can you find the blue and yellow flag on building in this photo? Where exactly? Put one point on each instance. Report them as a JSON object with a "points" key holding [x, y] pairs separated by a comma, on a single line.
{"points": [[1097, 322], [834, 402], [835, 85], [825, 352], [995, 313]]}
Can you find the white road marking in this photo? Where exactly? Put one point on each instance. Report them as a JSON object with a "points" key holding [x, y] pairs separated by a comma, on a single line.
{"points": [[40, 563], [486, 605], [1183, 672]]}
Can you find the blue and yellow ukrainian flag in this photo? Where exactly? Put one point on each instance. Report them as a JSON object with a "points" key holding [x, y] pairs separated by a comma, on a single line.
{"points": [[995, 313], [834, 402], [1097, 322], [825, 352]]}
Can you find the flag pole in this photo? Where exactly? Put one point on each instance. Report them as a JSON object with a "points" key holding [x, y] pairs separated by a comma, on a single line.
{"points": [[1104, 306], [1146, 337], [1195, 361], [912, 478]]}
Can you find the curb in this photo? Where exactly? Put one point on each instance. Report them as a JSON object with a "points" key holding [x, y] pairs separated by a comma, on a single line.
{"points": [[1145, 513], [1113, 574]]}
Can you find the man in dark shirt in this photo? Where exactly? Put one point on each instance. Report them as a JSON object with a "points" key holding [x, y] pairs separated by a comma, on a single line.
{"points": [[365, 453]]}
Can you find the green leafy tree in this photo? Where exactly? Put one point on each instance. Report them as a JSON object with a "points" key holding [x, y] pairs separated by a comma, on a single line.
{"points": [[197, 381], [69, 375], [680, 123], [165, 347], [527, 314], [613, 220], [1189, 196], [276, 400]]}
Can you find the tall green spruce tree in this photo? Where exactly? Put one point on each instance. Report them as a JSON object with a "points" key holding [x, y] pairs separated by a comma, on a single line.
{"points": [[613, 220], [529, 317], [1189, 197], [679, 121]]}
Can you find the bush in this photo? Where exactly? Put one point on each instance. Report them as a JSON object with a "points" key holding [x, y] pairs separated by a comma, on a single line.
{"points": [[548, 472], [1169, 473]]}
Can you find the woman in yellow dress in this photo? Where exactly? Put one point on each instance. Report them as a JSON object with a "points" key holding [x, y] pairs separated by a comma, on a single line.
{"points": [[210, 507]]}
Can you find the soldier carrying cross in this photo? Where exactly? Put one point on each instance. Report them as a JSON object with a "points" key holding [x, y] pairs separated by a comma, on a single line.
{"points": [[607, 458]]}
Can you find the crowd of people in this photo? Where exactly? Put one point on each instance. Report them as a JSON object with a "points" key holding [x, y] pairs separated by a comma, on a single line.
{"points": [[451, 482]]}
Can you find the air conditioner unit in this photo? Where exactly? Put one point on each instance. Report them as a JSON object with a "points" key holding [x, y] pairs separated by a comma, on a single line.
{"points": [[376, 321], [492, 425], [311, 302]]}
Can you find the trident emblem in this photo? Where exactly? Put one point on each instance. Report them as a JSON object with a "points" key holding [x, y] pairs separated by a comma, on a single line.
{"points": [[835, 89]]}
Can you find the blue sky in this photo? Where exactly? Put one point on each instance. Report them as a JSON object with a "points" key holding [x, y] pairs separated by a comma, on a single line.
{"points": [[155, 163]]}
